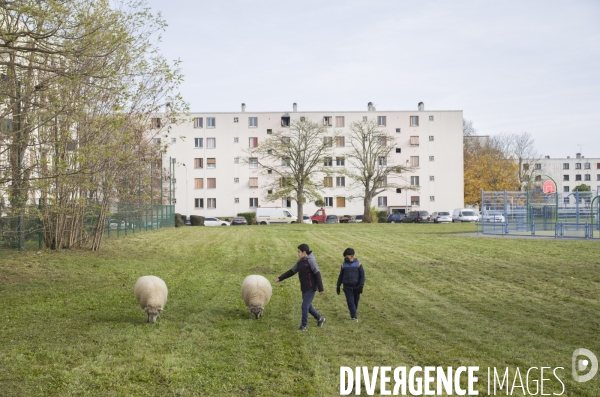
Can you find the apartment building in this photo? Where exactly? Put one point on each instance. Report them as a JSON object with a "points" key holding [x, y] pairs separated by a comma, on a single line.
{"points": [[570, 172], [212, 178]]}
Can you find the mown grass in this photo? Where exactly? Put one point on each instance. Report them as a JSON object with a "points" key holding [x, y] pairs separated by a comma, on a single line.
{"points": [[70, 326]]}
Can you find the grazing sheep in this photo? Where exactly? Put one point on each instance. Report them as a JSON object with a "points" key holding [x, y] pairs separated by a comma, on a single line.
{"points": [[151, 293], [256, 293]]}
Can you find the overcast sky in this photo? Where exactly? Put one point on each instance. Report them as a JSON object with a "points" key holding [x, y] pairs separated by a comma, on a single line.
{"points": [[510, 66]]}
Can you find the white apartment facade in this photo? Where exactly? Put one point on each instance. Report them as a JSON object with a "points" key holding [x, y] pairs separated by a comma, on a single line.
{"points": [[570, 172], [212, 179]]}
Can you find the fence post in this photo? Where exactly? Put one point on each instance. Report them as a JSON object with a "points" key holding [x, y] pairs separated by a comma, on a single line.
{"points": [[40, 224]]}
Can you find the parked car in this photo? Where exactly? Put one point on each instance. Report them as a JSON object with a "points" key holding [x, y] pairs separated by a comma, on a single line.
{"points": [[319, 217], [464, 215], [347, 219], [492, 216], [215, 222], [332, 219], [358, 218], [274, 215], [188, 222], [306, 219], [442, 216], [395, 217], [417, 217], [115, 224], [238, 220]]}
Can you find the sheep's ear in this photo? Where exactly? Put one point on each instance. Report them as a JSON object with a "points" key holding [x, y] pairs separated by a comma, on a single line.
{"points": [[146, 309]]}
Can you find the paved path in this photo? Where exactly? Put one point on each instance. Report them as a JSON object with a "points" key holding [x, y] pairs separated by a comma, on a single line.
{"points": [[525, 237]]}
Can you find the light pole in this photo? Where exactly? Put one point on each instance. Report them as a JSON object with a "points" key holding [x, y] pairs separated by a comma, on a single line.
{"points": [[186, 192], [406, 200]]}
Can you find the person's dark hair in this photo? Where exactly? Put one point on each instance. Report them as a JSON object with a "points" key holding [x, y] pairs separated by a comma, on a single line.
{"points": [[304, 248], [348, 251]]}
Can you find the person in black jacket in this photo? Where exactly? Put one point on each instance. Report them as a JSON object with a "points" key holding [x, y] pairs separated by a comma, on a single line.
{"points": [[352, 275], [310, 281]]}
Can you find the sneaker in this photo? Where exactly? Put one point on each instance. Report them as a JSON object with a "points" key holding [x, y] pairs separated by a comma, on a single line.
{"points": [[302, 328], [320, 321], [354, 319]]}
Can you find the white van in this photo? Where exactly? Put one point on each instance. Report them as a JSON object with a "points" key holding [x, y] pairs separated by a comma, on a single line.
{"points": [[464, 215], [274, 215]]}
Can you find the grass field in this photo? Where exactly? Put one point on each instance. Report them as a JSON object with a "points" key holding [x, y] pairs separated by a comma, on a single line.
{"points": [[70, 326]]}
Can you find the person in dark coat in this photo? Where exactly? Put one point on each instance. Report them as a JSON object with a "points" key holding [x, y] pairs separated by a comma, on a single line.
{"points": [[352, 276], [310, 282]]}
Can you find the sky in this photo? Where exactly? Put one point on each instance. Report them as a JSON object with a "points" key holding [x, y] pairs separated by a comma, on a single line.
{"points": [[510, 66]]}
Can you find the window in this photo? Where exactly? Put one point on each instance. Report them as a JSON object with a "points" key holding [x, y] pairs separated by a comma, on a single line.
{"points": [[566, 190], [538, 178], [538, 166], [340, 161], [198, 163], [211, 143], [285, 121], [210, 123], [236, 160], [398, 150], [285, 161], [173, 140], [253, 162], [198, 122], [340, 181], [198, 203], [364, 118], [431, 178], [340, 141], [340, 202], [382, 201], [382, 161], [577, 177], [397, 130], [252, 122], [236, 180], [431, 139], [598, 166], [587, 177], [586, 166], [236, 119], [565, 166], [253, 182], [253, 142], [328, 181], [211, 163], [156, 122], [398, 190], [414, 161], [577, 166], [414, 200], [414, 141], [327, 121], [328, 201], [269, 151], [414, 181], [598, 177], [236, 140], [269, 172], [236, 200], [288, 203], [327, 162], [414, 121], [198, 183], [431, 158], [156, 141], [431, 198], [565, 177], [269, 192], [212, 203], [302, 119], [431, 119], [327, 141], [339, 121], [211, 183], [381, 121], [525, 167], [382, 141], [253, 202], [285, 140], [525, 178], [269, 131], [198, 142]]}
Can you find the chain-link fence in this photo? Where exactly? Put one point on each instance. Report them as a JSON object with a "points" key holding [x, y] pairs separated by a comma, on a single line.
{"points": [[26, 230], [535, 213]]}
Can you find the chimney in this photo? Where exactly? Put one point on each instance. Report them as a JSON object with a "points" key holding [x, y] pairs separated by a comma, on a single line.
{"points": [[370, 107], [243, 107], [295, 107], [578, 155], [421, 106], [547, 157]]}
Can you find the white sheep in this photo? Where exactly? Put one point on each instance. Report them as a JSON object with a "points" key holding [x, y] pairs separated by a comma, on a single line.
{"points": [[151, 293], [256, 293]]}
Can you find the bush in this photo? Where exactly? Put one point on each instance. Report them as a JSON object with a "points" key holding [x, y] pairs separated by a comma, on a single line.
{"points": [[196, 220], [250, 216], [179, 220]]}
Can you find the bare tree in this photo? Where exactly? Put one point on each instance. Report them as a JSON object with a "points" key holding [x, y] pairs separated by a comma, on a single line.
{"points": [[371, 169], [291, 159]]}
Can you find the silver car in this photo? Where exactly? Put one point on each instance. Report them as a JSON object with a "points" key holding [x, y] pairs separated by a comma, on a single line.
{"points": [[492, 216], [215, 222], [442, 216]]}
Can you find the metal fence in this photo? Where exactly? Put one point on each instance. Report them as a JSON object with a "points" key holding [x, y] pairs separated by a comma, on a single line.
{"points": [[535, 213], [26, 231]]}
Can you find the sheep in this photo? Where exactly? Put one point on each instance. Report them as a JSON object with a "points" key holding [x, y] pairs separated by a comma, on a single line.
{"points": [[151, 293], [256, 293]]}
